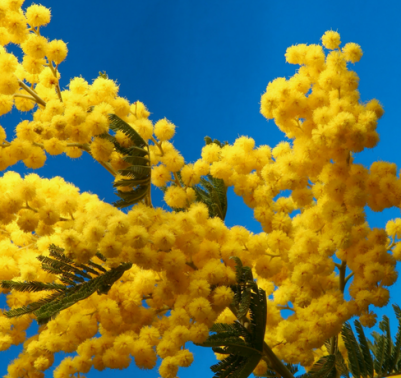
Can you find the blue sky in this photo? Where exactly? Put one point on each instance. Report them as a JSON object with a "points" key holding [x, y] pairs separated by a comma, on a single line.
{"points": [[204, 65]]}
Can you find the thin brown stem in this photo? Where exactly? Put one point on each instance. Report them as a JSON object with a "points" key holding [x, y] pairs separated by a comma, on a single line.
{"points": [[176, 180], [25, 96], [285, 308], [86, 148], [348, 278], [32, 93], [158, 144], [192, 265], [54, 71]]}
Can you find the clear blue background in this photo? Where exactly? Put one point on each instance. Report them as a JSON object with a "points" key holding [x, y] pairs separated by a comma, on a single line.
{"points": [[204, 65]]}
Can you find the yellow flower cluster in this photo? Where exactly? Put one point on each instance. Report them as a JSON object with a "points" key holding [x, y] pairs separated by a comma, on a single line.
{"points": [[132, 318], [66, 121], [179, 285]]}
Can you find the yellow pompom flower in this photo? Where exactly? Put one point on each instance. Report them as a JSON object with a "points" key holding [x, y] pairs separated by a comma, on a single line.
{"points": [[183, 358], [189, 176], [23, 104], [296, 54], [104, 89], [36, 158], [37, 15], [368, 319], [28, 220], [101, 149], [173, 161], [200, 309], [6, 104], [168, 368], [376, 107], [201, 167], [54, 146], [160, 175], [42, 363], [8, 84], [73, 152], [176, 197], [47, 78], [145, 357], [3, 135], [222, 296], [164, 130], [78, 85], [8, 63], [35, 46], [352, 52], [331, 40], [211, 153], [144, 128], [5, 37], [163, 239], [138, 236]]}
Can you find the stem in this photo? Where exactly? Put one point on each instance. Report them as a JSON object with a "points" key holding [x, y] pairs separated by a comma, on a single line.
{"points": [[276, 364], [342, 269], [24, 96], [192, 265], [176, 180], [343, 281], [268, 355], [86, 148], [391, 245], [32, 93], [285, 308], [158, 144], [54, 70], [348, 278]]}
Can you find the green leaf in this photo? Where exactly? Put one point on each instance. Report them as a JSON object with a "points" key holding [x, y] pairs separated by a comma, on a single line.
{"points": [[103, 75], [208, 140], [31, 286], [243, 344], [354, 353], [397, 345], [367, 357], [117, 124], [379, 353], [222, 327], [384, 325], [244, 304], [213, 193], [132, 197], [64, 296], [324, 367]]}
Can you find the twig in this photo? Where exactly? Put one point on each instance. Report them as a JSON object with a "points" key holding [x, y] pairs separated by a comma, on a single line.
{"points": [[54, 70], [32, 93]]}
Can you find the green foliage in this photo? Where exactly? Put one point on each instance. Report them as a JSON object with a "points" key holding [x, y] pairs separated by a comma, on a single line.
{"points": [[365, 359], [243, 340], [212, 191], [78, 284], [138, 173], [103, 75]]}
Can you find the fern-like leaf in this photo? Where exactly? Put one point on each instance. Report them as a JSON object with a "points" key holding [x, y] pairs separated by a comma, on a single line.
{"points": [[354, 353], [395, 356], [75, 290], [244, 345], [117, 124], [367, 357]]}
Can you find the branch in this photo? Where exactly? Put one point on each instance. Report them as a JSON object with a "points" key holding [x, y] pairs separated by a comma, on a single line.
{"points": [[54, 70], [32, 93]]}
